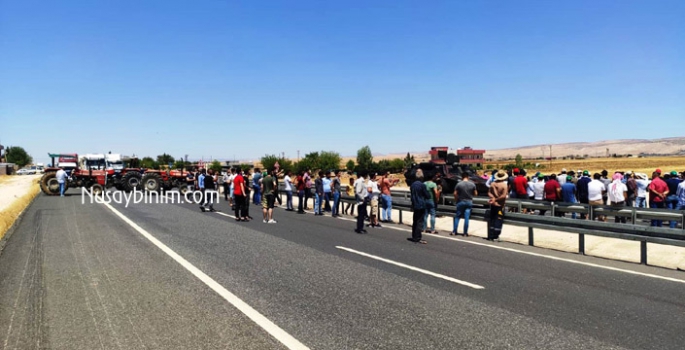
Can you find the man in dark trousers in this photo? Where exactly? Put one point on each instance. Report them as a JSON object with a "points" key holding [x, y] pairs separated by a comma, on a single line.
{"points": [[361, 194], [419, 197], [498, 196], [208, 190]]}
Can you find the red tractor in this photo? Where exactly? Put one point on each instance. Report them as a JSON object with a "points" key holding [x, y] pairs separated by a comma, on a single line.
{"points": [[94, 179], [155, 180]]}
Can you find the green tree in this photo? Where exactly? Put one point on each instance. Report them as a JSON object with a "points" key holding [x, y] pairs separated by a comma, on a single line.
{"points": [[350, 165], [329, 161], [269, 160], [409, 160], [397, 165], [364, 158], [309, 161], [165, 159], [216, 166], [149, 163], [519, 161], [180, 164], [18, 156]]}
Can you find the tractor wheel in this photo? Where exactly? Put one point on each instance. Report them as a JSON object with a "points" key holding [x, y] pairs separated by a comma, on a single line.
{"points": [[131, 180], [183, 189], [49, 184], [152, 182], [96, 189], [119, 186]]}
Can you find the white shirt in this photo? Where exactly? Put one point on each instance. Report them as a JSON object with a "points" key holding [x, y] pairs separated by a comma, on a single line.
{"points": [[642, 187], [360, 188], [594, 190], [61, 176], [539, 190], [618, 196], [288, 185], [561, 179], [375, 192]]}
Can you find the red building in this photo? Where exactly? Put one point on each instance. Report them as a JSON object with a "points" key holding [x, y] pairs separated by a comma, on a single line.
{"points": [[467, 155]]}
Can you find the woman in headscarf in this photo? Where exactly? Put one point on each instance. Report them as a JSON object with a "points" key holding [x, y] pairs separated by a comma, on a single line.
{"points": [[618, 192]]}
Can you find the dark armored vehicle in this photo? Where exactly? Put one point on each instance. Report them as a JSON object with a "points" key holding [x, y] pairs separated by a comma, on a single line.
{"points": [[447, 165]]}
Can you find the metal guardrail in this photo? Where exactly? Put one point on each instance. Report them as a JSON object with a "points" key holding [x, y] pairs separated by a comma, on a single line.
{"points": [[631, 230]]}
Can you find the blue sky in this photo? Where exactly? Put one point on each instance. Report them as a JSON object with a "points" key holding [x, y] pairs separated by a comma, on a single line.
{"points": [[242, 79]]}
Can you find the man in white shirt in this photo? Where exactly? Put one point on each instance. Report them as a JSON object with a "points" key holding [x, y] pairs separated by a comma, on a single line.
{"points": [[617, 193], [361, 193], [61, 176], [288, 191], [595, 191], [642, 184], [374, 194]]}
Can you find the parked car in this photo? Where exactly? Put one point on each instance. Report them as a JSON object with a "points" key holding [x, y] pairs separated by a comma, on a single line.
{"points": [[23, 172]]}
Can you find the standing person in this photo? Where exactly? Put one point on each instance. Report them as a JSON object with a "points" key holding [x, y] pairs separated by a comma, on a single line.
{"points": [[190, 180], [208, 190], [658, 190], [497, 194], [335, 183], [617, 193], [361, 194], [61, 177], [231, 189], [308, 187], [201, 186], [327, 191], [582, 185], [561, 178], [256, 196], [240, 202], [596, 190], [225, 183], [631, 184], [539, 190], [681, 195], [288, 191], [301, 188], [350, 193], [520, 186], [267, 188], [386, 196], [672, 199], [553, 192], [606, 181], [642, 185], [374, 194], [432, 189], [419, 197], [318, 194], [463, 195], [568, 192]]}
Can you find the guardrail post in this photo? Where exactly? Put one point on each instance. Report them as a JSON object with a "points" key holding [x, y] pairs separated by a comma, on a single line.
{"points": [[400, 216], [633, 215], [531, 239], [643, 252], [581, 243], [591, 212], [553, 205]]}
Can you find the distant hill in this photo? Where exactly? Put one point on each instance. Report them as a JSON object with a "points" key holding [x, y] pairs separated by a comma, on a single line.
{"points": [[666, 146]]}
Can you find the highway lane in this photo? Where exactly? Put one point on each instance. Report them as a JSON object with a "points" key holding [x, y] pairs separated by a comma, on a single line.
{"points": [[117, 289]]}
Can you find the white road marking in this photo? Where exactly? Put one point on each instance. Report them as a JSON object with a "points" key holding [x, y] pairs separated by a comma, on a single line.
{"points": [[286, 339], [539, 255], [409, 267]]}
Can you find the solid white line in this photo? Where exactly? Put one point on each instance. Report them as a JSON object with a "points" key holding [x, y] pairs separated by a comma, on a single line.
{"points": [[286, 339], [540, 255], [447, 278]]}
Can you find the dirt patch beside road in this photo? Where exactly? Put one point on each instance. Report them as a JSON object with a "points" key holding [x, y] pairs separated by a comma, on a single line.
{"points": [[16, 193]]}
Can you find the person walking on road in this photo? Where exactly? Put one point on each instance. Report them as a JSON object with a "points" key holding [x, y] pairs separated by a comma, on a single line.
{"points": [[419, 197], [239, 200], [361, 193], [61, 177], [497, 194], [208, 190], [268, 185], [463, 195]]}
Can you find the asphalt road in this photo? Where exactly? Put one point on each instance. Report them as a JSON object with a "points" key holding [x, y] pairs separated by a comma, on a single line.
{"points": [[79, 276]]}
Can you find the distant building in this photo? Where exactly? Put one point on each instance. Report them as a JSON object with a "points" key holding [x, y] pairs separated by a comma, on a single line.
{"points": [[468, 155]]}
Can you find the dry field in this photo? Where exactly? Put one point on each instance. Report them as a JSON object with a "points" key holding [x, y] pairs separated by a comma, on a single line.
{"points": [[16, 193], [642, 165]]}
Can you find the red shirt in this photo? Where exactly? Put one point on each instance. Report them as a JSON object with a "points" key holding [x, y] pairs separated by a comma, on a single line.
{"points": [[551, 190], [521, 185], [657, 185], [300, 183], [237, 189]]}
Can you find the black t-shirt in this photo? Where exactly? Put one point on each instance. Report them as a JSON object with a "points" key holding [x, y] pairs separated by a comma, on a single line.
{"points": [[209, 182]]}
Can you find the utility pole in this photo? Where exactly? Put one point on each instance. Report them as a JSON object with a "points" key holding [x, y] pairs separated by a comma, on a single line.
{"points": [[550, 157], [298, 155]]}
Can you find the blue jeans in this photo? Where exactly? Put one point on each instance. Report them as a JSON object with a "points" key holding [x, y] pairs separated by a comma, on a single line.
{"points": [[336, 202], [463, 208], [257, 196], [289, 200], [672, 203], [327, 201], [386, 212], [317, 203], [430, 210], [656, 223], [641, 202], [61, 189]]}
